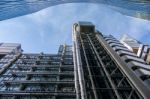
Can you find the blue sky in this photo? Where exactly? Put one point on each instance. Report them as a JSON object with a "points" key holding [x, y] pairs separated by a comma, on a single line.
{"points": [[47, 29]]}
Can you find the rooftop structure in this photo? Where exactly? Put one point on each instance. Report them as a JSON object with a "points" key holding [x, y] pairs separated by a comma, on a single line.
{"points": [[8, 48], [140, 49]]}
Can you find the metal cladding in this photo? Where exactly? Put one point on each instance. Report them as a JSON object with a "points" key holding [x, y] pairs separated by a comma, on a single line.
{"points": [[106, 69], [141, 50], [96, 67], [137, 64], [15, 8]]}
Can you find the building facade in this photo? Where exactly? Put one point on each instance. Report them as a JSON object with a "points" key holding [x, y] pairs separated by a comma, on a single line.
{"points": [[38, 76], [96, 67], [14, 8], [140, 49], [105, 68]]}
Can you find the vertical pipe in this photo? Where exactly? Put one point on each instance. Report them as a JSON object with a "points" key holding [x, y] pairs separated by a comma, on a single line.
{"points": [[76, 74], [79, 64]]}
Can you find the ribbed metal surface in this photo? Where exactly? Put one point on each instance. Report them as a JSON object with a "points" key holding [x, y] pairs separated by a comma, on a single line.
{"points": [[136, 64]]}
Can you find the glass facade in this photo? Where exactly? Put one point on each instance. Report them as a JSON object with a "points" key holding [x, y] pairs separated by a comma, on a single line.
{"points": [[14, 8], [39, 76]]}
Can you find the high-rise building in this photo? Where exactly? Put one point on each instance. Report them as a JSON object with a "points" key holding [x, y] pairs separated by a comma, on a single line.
{"points": [[14, 8], [105, 68], [140, 49], [96, 67]]}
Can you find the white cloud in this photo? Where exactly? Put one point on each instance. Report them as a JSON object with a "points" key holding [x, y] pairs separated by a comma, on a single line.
{"points": [[52, 26]]}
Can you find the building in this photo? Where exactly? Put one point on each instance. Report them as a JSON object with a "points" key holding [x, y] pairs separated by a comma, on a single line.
{"points": [[14, 8], [38, 76], [8, 48], [140, 49], [105, 68], [96, 67]]}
